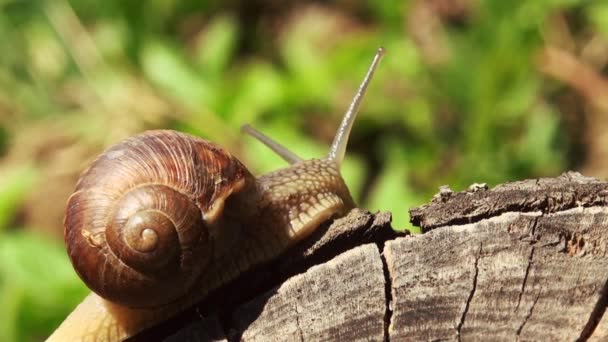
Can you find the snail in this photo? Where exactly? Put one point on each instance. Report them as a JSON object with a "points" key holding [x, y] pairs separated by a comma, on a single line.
{"points": [[163, 218]]}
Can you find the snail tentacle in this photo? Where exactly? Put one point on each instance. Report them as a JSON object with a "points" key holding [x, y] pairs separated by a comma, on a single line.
{"points": [[279, 149], [338, 146]]}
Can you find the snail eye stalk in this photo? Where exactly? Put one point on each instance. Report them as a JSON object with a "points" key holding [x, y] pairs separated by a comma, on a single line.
{"points": [[279, 149], [338, 147]]}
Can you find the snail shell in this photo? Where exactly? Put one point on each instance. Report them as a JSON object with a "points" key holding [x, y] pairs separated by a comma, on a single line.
{"points": [[138, 225]]}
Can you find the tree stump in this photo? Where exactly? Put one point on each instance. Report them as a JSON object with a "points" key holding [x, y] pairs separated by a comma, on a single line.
{"points": [[524, 261]]}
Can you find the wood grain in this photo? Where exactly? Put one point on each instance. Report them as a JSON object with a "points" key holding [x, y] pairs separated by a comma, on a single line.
{"points": [[333, 301], [512, 277]]}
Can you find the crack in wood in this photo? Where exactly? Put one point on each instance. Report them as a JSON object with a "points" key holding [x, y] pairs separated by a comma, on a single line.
{"points": [[534, 226], [523, 284], [596, 315], [388, 313], [298, 327], [471, 293], [523, 323]]}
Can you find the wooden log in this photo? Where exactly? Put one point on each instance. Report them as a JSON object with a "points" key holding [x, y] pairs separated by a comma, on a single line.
{"points": [[524, 261]]}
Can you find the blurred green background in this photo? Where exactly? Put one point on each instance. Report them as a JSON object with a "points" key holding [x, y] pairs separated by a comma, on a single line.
{"points": [[469, 91]]}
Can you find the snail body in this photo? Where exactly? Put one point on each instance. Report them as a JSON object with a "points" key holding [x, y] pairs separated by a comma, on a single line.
{"points": [[162, 218]]}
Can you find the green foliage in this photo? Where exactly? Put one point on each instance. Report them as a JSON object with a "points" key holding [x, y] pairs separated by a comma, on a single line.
{"points": [[37, 287], [14, 185], [475, 109], [598, 15]]}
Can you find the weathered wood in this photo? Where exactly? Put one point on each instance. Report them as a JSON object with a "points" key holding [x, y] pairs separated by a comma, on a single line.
{"points": [[548, 195], [341, 300], [601, 331], [517, 276], [523, 261]]}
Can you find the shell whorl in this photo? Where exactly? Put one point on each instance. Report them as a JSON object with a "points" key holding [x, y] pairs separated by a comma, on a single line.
{"points": [[139, 227]]}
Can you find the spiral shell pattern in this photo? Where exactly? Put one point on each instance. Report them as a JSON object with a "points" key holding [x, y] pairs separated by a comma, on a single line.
{"points": [[135, 227]]}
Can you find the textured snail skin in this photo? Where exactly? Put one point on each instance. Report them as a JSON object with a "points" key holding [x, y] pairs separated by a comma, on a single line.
{"points": [[218, 204]]}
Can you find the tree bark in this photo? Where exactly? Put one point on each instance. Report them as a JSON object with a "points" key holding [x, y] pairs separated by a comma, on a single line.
{"points": [[524, 261]]}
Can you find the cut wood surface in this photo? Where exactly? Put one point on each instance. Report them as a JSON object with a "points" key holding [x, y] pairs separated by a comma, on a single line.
{"points": [[524, 261]]}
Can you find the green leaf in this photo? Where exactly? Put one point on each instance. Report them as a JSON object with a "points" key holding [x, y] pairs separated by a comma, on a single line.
{"points": [[260, 89], [538, 148], [15, 183], [164, 66], [216, 45], [598, 15], [38, 286]]}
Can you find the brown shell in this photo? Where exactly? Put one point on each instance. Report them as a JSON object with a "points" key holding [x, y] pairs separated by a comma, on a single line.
{"points": [[135, 227]]}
